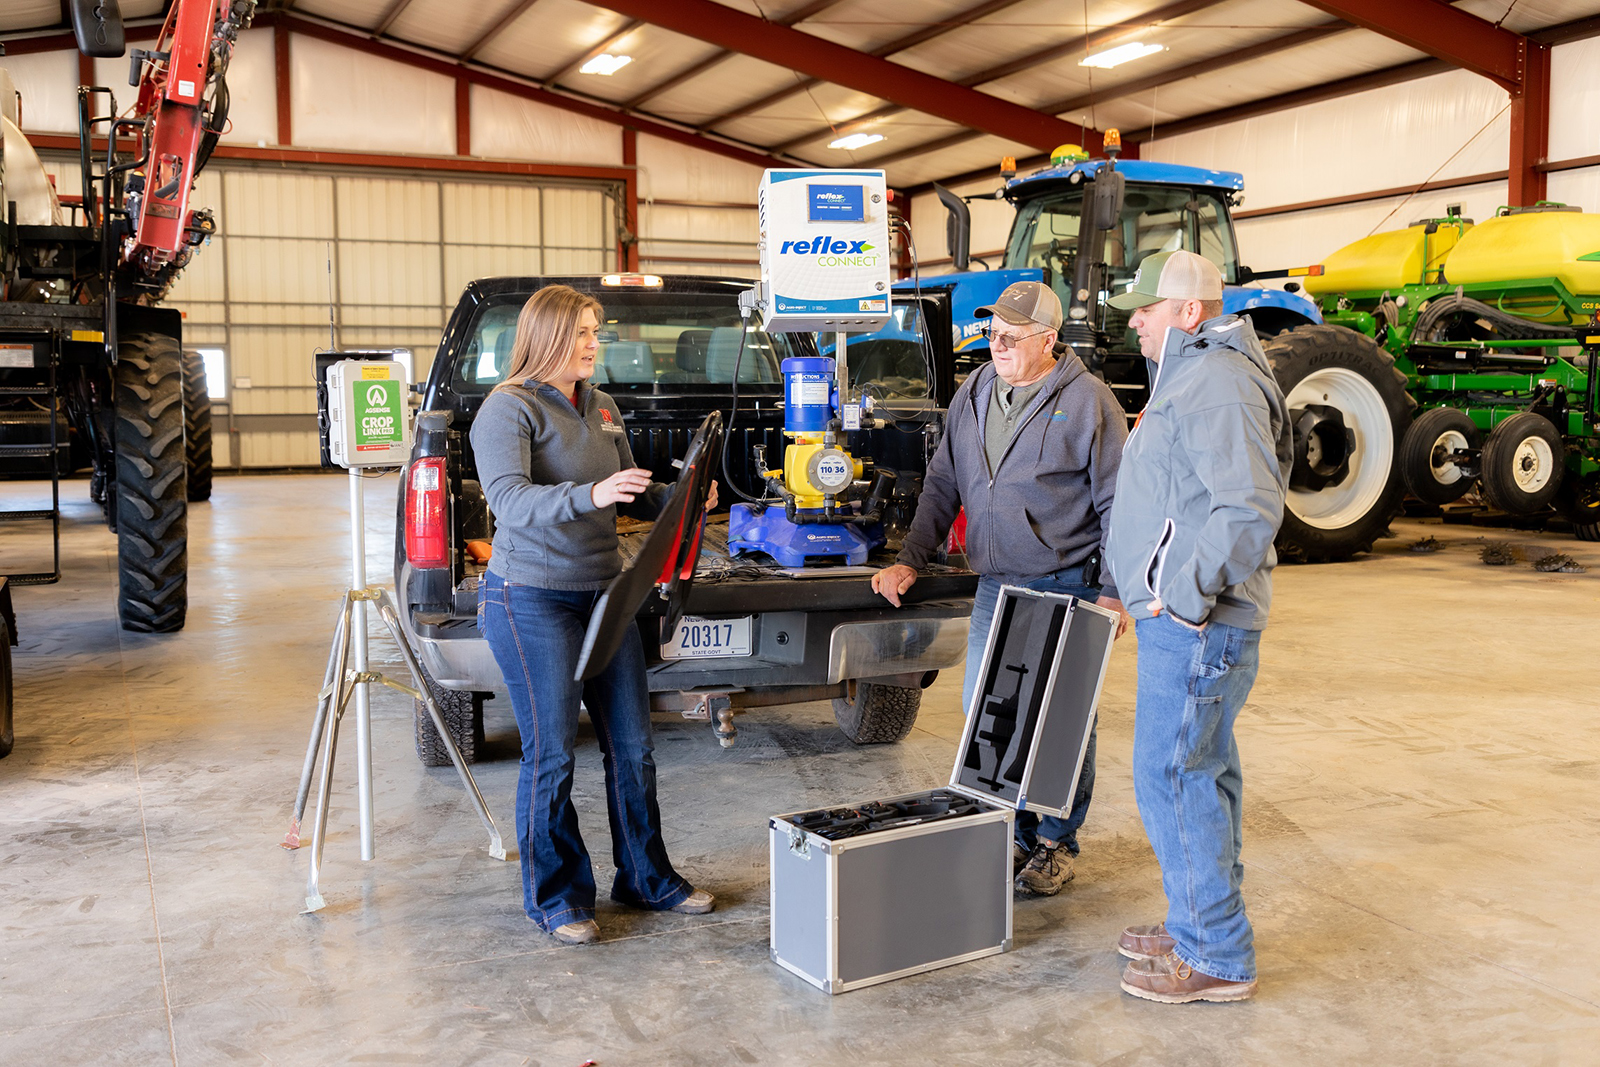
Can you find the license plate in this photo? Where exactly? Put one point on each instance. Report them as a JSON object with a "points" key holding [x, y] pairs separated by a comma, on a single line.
{"points": [[696, 637]]}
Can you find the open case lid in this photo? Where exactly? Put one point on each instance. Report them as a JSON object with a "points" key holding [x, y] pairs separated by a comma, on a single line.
{"points": [[1034, 705], [666, 562]]}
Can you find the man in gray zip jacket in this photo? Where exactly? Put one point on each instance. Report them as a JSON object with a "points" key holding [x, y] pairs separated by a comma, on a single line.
{"points": [[1199, 500], [1031, 446]]}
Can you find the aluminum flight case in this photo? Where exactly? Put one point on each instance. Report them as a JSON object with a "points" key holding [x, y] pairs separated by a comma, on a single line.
{"points": [[878, 890]]}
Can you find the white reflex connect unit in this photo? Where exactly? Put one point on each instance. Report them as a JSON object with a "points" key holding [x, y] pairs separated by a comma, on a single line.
{"points": [[367, 417], [824, 250]]}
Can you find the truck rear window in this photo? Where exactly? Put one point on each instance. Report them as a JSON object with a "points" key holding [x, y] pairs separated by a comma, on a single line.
{"points": [[646, 340]]}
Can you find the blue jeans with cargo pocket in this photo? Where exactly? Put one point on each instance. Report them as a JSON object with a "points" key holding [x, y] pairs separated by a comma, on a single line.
{"points": [[1189, 785], [536, 635], [1031, 826]]}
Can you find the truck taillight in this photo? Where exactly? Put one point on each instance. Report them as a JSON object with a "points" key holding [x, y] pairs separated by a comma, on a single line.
{"points": [[427, 542]]}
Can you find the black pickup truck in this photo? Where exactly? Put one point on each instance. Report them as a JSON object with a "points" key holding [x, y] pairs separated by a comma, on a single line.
{"points": [[754, 635]]}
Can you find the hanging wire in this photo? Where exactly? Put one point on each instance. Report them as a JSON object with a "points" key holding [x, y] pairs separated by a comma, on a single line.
{"points": [[1424, 183]]}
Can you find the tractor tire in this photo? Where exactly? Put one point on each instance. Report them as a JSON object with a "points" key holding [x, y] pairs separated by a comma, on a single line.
{"points": [[7, 735], [877, 714], [1523, 464], [196, 426], [152, 485], [1432, 478], [462, 712], [1340, 499]]}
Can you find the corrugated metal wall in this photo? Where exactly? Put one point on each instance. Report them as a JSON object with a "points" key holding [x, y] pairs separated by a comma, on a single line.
{"points": [[400, 249], [697, 212]]}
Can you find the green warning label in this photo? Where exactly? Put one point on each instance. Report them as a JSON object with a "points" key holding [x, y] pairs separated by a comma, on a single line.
{"points": [[378, 415]]}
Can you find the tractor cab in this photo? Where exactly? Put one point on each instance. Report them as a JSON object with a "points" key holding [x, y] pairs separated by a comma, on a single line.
{"points": [[1117, 213]]}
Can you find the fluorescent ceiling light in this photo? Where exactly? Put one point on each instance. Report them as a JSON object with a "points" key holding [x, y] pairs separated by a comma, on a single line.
{"points": [[856, 140], [1123, 53], [605, 64]]}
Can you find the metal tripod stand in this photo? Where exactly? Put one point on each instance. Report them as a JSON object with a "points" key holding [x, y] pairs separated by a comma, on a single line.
{"points": [[348, 676]]}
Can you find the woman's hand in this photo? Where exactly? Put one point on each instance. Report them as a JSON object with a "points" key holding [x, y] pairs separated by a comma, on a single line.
{"points": [[620, 488], [711, 497]]}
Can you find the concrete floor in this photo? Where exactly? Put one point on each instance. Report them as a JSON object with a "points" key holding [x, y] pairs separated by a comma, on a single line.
{"points": [[1422, 816]]}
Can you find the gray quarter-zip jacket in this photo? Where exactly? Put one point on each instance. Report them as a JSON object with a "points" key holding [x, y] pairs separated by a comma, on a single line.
{"points": [[1201, 492], [1046, 506], [538, 458]]}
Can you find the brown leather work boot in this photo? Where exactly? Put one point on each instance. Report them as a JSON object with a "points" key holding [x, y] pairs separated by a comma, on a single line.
{"points": [[1168, 980], [1145, 942]]}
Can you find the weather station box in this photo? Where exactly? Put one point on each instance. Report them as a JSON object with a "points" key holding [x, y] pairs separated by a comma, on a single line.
{"points": [[368, 421], [872, 891], [824, 250]]}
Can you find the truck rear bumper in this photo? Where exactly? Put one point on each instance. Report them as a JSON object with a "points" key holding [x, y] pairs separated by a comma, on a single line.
{"points": [[790, 649]]}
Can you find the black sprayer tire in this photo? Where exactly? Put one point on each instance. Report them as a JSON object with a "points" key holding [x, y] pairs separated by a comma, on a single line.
{"points": [[1431, 478], [1523, 464], [152, 508], [876, 714], [1578, 501], [462, 712], [196, 426], [1332, 376], [7, 736]]}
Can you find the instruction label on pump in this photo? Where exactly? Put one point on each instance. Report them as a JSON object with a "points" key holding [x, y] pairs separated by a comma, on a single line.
{"points": [[368, 424]]}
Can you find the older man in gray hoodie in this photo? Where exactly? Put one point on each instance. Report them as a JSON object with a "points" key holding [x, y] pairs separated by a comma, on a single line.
{"points": [[1199, 501], [1030, 449]]}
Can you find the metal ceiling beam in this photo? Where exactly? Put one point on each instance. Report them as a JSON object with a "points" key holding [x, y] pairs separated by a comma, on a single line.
{"points": [[802, 52], [1576, 30], [1515, 63], [1090, 42], [1433, 26], [1203, 66], [516, 12], [1360, 83], [697, 69], [598, 50], [359, 39], [1087, 43], [927, 33], [390, 16], [1126, 89]]}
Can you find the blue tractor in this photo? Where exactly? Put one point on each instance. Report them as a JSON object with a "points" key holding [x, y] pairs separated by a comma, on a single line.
{"points": [[1084, 225]]}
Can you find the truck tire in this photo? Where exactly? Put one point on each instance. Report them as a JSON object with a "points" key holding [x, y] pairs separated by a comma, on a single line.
{"points": [[462, 712], [1522, 464], [7, 736], [152, 485], [875, 714], [196, 426], [1339, 384]]}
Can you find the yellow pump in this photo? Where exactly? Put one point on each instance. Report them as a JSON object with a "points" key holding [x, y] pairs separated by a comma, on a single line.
{"points": [[814, 469]]}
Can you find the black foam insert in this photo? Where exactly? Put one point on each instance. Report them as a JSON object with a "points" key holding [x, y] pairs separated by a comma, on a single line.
{"points": [[1013, 691]]}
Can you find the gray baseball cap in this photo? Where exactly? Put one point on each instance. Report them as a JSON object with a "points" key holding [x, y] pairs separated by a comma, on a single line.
{"points": [[1025, 302], [1176, 275]]}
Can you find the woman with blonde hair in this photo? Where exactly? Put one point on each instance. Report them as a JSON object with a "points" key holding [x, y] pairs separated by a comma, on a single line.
{"points": [[554, 461]]}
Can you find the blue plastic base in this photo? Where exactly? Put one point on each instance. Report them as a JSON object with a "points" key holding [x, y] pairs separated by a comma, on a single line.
{"points": [[794, 545]]}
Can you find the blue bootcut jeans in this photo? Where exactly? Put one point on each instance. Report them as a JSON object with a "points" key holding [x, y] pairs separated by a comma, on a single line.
{"points": [[536, 635], [1030, 826], [1188, 783]]}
